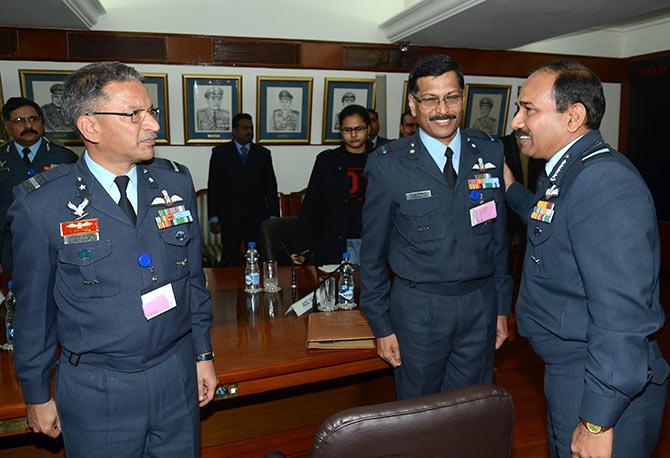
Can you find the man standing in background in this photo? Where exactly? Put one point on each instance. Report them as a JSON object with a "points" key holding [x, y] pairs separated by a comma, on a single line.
{"points": [[241, 189]]}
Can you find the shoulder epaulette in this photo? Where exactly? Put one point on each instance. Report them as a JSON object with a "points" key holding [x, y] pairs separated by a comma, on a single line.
{"points": [[50, 143], [476, 133], [167, 164], [597, 154], [39, 180]]}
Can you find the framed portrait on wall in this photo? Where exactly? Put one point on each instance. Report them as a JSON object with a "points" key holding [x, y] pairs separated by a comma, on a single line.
{"points": [[157, 87], [210, 102], [3, 134], [45, 88], [283, 110], [404, 105], [338, 93], [486, 107]]}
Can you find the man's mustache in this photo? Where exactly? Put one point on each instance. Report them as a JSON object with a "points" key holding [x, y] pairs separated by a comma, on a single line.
{"points": [[442, 117], [521, 133], [29, 131]]}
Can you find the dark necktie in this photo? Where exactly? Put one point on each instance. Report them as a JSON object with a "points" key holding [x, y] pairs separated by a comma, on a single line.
{"points": [[449, 170], [26, 157], [124, 203], [244, 153]]}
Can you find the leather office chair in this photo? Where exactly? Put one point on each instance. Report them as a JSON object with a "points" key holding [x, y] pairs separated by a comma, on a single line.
{"points": [[274, 232], [211, 243], [472, 422]]}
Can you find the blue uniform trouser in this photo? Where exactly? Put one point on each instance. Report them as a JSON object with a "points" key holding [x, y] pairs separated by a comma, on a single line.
{"points": [[153, 413], [446, 342], [636, 432]]}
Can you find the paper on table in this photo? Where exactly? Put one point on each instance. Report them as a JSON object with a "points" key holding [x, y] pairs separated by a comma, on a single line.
{"points": [[301, 305]]}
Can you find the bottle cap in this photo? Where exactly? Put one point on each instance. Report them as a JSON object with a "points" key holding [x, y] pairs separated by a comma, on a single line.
{"points": [[251, 244], [144, 260], [346, 255], [9, 284]]}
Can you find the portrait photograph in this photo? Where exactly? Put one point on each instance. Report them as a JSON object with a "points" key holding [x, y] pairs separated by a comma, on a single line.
{"points": [[283, 109], [3, 134], [486, 107], [339, 93], [210, 102], [45, 88], [157, 87]]}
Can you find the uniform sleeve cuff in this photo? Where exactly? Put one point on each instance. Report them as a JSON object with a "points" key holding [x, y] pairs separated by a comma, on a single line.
{"points": [[601, 410], [202, 344], [36, 393], [381, 327]]}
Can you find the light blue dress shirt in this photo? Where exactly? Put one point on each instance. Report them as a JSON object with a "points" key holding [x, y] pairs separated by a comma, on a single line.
{"points": [[33, 149], [106, 179], [436, 149]]}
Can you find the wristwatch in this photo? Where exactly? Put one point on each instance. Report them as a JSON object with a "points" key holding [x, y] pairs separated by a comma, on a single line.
{"points": [[205, 356], [594, 429]]}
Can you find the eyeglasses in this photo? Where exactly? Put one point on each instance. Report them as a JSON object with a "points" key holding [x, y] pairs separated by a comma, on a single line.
{"points": [[351, 130], [136, 116], [431, 102], [26, 120]]}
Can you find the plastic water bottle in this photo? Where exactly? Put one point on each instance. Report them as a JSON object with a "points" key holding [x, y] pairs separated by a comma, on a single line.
{"points": [[9, 305], [346, 300], [252, 274]]}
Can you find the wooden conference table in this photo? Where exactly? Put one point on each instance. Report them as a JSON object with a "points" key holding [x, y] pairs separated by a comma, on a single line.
{"points": [[273, 391]]}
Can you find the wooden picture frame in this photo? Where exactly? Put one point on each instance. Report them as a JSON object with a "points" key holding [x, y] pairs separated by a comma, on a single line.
{"points": [[283, 110], [45, 88], [157, 87], [486, 107], [210, 102], [338, 93]]}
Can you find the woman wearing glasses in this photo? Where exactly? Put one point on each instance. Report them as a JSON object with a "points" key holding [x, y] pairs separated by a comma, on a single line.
{"points": [[330, 216]]}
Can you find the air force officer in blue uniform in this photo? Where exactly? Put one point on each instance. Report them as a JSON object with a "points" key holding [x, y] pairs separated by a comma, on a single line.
{"points": [[589, 299], [435, 213], [107, 264], [27, 153]]}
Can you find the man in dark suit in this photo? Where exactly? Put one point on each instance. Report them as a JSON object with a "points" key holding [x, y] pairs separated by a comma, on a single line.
{"points": [[28, 153], [241, 189], [589, 299], [375, 139], [107, 255], [435, 214]]}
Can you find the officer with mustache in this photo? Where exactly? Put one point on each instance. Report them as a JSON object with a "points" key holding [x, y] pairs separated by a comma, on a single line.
{"points": [[435, 214], [28, 153]]}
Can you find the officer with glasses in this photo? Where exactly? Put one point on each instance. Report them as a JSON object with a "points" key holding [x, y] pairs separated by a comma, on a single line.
{"points": [[26, 154], [108, 268], [435, 215]]}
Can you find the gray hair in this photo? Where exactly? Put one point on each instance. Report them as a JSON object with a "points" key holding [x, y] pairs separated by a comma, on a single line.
{"points": [[84, 89]]}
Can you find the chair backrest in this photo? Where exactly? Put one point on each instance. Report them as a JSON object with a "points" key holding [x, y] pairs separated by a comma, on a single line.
{"points": [[472, 422], [289, 204], [274, 233], [211, 243]]}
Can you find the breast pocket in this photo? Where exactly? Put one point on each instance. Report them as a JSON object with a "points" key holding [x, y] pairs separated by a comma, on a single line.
{"points": [[88, 269], [538, 262], [420, 220], [175, 248]]}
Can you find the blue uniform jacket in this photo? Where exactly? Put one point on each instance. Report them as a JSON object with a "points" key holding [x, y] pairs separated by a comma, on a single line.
{"points": [[13, 171], [414, 222], [591, 274], [86, 296]]}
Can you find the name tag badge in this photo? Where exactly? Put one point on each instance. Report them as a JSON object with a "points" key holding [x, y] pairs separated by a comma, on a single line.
{"points": [[158, 301], [418, 195], [483, 213], [83, 230]]}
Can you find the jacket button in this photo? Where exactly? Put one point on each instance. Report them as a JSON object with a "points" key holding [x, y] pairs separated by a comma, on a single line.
{"points": [[537, 231]]}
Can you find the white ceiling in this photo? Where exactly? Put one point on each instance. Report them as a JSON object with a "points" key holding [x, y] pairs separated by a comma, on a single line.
{"points": [[508, 24], [480, 24]]}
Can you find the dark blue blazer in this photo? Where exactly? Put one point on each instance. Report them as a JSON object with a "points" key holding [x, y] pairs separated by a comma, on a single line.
{"points": [[591, 275], [86, 296], [13, 171], [429, 239]]}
